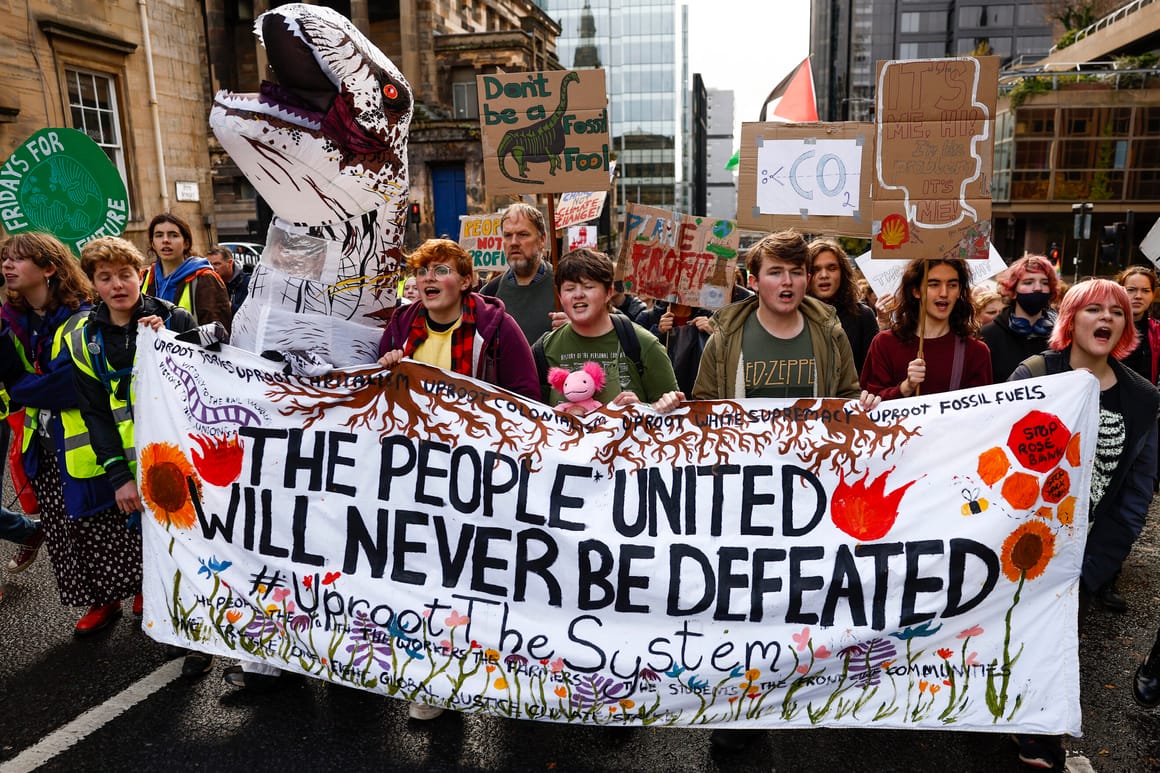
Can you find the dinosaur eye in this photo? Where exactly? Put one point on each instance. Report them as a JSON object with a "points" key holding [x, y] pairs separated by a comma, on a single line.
{"points": [[390, 92]]}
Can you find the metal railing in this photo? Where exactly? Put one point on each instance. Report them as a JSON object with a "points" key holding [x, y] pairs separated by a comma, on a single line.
{"points": [[1107, 21]]}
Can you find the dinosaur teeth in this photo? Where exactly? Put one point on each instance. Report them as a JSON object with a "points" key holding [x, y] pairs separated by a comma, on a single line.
{"points": [[252, 104]]}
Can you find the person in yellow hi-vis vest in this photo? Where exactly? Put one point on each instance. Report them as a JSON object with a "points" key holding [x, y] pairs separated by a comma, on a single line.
{"points": [[103, 349], [178, 276], [96, 560]]}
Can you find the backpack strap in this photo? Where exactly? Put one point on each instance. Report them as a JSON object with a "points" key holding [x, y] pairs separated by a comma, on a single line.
{"points": [[629, 341], [625, 333], [957, 363]]}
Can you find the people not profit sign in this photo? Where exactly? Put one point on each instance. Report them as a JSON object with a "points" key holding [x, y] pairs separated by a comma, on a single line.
{"points": [[544, 132], [765, 563], [60, 182], [482, 237]]}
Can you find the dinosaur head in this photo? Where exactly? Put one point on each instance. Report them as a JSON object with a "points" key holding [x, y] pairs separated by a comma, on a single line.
{"points": [[328, 141]]}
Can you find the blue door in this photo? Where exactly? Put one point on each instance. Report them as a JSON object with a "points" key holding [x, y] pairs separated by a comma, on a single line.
{"points": [[449, 186]]}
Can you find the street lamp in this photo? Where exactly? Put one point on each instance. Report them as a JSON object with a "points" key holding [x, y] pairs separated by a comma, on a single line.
{"points": [[1082, 213]]}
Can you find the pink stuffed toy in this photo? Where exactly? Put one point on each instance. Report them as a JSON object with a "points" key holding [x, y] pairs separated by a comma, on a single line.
{"points": [[579, 387]]}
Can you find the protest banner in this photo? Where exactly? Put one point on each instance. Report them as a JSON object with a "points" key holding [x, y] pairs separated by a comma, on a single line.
{"points": [[934, 156], [772, 563], [581, 236], [679, 258], [482, 237], [576, 207], [544, 132], [60, 182], [813, 177], [885, 276]]}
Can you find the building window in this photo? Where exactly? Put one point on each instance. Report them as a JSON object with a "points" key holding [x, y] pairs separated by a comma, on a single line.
{"points": [[464, 93], [909, 22], [466, 100], [92, 101], [1035, 122]]}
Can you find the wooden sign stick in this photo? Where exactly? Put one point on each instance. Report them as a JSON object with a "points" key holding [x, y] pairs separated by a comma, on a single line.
{"points": [[555, 242], [921, 319]]}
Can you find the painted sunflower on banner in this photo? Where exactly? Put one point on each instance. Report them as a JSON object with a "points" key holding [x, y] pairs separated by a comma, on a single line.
{"points": [[168, 485]]}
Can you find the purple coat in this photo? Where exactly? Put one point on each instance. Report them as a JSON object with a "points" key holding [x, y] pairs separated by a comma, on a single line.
{"points": [[500, 351]]}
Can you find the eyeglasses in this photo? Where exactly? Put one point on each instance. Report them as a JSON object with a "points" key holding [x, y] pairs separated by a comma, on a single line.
{"points": [[440, 271]]}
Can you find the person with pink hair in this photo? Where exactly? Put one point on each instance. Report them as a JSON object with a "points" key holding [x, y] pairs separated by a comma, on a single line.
{"points": [[1030, 286], [1093, 332]]}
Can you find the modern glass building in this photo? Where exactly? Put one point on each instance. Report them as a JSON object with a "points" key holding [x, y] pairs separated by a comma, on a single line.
{"points": [[638, 43], [849, 37]]}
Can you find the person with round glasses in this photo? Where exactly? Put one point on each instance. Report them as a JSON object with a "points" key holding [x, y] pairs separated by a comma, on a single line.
{"points": [[458, 330]]}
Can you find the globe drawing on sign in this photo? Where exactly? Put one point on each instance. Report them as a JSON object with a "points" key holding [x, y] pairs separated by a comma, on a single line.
{"points": [[62, 197], [66, 185]]}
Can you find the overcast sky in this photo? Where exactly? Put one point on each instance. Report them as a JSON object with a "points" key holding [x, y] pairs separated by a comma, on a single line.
{"points": [[747, 46]]}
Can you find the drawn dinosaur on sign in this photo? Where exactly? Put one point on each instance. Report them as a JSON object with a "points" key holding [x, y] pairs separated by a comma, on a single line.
{"points": [[538, 141], [326, 147]]}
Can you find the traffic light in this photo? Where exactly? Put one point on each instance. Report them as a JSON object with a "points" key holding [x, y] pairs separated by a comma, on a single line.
{"points": [[1054, 256], [1109, 249], [414, 212]]}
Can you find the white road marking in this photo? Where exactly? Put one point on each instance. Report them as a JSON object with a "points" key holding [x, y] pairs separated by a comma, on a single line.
{"points": [[92, 720]]}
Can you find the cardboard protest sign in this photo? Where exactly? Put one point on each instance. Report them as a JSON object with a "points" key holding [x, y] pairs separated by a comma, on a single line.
{"points": [[1150, 245], [544, 132], [934, 157], [60, 182], [581, 236], [813, 177], [482, 237], [679, 258], [576, 207], [885, 276], [771, 563]]}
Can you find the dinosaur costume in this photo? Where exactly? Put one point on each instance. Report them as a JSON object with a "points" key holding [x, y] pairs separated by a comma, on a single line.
{"points": [[326, 147]]}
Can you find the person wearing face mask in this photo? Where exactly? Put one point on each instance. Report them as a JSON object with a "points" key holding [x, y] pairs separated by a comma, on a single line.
{"points": [[1024, 327]]}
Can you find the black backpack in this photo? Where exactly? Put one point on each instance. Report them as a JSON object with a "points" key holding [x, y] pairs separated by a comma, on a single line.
{"points": [[629, 342]]}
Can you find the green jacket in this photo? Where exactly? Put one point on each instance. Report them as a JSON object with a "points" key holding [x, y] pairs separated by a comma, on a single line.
{"points": [[722, 364]]}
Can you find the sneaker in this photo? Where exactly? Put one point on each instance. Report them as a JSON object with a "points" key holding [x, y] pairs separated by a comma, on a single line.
{"points": [[196, 664], [139, 604], [1041, 751], [1146, 686], [252, 682], [422, 711], [98, 618], [27, 552]]}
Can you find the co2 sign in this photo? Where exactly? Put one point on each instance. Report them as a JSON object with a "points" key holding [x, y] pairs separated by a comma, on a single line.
{"points": [[811, 177]]}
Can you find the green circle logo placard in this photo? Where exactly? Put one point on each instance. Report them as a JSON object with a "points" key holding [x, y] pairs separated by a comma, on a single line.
{"points": [[61, 182]]}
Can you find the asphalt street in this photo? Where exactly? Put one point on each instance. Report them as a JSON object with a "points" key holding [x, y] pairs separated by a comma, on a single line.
{"points": [[112, 702]]}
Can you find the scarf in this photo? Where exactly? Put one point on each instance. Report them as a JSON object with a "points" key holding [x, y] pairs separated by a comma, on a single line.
{"points": [[168, 288], [461, 338]]}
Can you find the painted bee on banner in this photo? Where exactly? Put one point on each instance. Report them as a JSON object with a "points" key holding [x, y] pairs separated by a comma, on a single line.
{"points": [[974, 504]]}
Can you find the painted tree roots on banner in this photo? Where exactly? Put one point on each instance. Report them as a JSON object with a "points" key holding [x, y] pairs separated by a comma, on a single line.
{"points": [[771, 563]]}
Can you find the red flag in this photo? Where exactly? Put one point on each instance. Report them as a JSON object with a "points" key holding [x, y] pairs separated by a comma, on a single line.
{"points": [[793, 99]]}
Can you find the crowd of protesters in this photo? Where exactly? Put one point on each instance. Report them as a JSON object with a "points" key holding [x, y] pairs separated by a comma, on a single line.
{"points": [[800, 324]]}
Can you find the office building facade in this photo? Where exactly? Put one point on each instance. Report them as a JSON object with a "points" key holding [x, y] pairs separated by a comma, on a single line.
{"points": [[639, 43], [849, 37]]}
